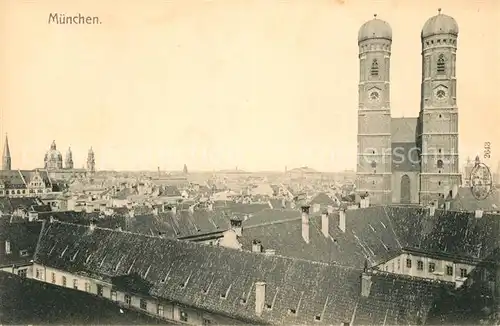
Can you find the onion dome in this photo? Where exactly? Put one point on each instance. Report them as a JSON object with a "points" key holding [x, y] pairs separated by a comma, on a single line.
{"points": [[440, 24], [375, 29]]}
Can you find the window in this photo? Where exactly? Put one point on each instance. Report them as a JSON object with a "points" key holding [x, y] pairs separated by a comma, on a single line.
{"points": [[128, 299], [23, 253], [441, 65], [440, 164], [420, 265], [463, 272], [39, 274], [399, 264], [64, 281], [449, 270], [22, 272], [87, 287], [75, 284], [408, 263], [207, 321], [374, 164], [7, 247], [374, 68], [113, 296], [100, 290], [54, 278], [143, 304], [184, 316], [432, 267], [159, 310]]}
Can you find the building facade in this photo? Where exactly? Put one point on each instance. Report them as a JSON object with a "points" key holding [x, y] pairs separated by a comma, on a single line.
{"points": [[408, 160]]}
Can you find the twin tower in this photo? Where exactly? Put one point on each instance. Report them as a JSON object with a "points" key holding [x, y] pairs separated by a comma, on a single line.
{"points": [[408, 160]]}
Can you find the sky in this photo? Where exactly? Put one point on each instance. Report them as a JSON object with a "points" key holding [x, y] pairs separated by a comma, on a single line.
{"points": [[253, 84]]}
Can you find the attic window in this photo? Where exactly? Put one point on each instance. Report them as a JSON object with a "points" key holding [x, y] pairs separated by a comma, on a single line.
{"points": [[269, 306], [374, 68], [292, 311], [23, 253], [317, 318], [62, 254], [222, 295], [243, 301], [439, 164]]}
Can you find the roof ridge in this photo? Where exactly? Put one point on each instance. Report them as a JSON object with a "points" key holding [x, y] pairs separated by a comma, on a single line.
{"points": [[222, 248]]}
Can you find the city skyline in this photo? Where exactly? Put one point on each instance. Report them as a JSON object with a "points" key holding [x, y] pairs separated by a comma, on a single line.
{"points": [[224, 85]]}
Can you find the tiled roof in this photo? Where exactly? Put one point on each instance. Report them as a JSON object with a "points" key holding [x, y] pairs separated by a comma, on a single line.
{"points": [[8, 205], [29, 302], [221, 280], [322, 199], [447, 232], [467, 202], [22, 237], [365, 238]]}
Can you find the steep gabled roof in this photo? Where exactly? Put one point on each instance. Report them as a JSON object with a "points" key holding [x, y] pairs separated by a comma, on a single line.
{"points": [[222, 280]]}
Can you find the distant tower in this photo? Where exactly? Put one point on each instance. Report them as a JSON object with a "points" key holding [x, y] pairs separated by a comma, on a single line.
{"points": [[6, 159], [438, 120], [91, 161], [69, 159], [185, 169], [373, 173]]}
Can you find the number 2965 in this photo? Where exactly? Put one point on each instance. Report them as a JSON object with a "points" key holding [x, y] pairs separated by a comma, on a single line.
{"points": [[487, 149]]}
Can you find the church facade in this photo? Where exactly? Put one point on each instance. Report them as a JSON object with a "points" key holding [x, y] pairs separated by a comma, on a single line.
{"points": [[53, 163], [408, 160]]}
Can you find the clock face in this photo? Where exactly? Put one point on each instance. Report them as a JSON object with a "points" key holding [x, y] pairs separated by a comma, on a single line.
{"points": [[374, 96], [440, 94]]}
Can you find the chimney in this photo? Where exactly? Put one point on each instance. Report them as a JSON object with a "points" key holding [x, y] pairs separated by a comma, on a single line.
{"points": [[269, 252], [432, 209], [174, 210], [236, 225], [478, 213], [324, 224], [210, 207], [342, 219], [155, 211], [131, 213], [260, 297], [119, 228], [305, 223], [366, 284], [256, 246], [447, 205], [52, 219], [92, 225]]}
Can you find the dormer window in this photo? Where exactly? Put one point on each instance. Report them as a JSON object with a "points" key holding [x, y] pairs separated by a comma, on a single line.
{"points": [[7, 247], [23, 253], [317, 318], [374, 68], [292, 311], [441, 65]]}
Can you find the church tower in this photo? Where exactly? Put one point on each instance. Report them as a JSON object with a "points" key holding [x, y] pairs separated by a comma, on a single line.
{"points": [[6, 159], [69, 159], [91, 161], [373, 175], [438, 119]]}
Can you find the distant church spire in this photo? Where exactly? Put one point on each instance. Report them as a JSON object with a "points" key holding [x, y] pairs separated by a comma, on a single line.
{"points": [[69, 159], [6, 159], [185, 169], [91, 161]]}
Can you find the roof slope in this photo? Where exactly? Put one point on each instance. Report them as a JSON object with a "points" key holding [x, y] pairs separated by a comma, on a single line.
{"points": [[200, 275], [28, 302]]}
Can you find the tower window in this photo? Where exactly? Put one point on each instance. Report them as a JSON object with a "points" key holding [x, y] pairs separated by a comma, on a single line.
{"points": [[441, 66], [374, 164], [440, 164], [374, 69]]}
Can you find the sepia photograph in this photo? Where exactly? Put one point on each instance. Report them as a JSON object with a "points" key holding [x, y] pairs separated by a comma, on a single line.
{"points": [[250, 162]]}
